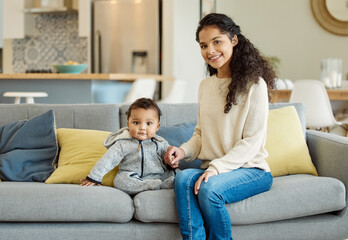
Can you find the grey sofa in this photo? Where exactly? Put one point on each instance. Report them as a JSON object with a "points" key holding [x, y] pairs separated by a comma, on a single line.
{"points": [[297, 206]]}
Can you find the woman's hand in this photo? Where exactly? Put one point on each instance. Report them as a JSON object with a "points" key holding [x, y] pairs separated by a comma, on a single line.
{"points": [[87, 183], [173, 156], [205, 176]]}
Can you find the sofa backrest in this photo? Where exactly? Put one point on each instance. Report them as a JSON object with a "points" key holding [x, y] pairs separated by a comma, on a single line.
{"points": [[111, 117], [83, 116]]}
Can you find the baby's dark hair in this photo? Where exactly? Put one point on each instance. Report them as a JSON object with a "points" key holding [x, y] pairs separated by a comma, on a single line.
{"points": [[144, 103]]}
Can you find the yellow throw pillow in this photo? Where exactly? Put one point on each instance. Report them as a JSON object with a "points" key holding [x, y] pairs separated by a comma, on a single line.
{"points": [[286, 145], [79, 150]]}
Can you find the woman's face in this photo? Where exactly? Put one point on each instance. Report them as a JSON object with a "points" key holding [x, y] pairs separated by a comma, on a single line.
{"points": [[217, 49]]}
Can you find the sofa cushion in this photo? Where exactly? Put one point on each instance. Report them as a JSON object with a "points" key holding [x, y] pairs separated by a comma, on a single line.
{"points": [[80, 149], [300, 109], [40, 202], [286, 145], [290, 197], [28, 148], [177, 135]]}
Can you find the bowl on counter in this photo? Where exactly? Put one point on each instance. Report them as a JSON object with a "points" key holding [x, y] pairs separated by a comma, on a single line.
{"points": [[70, 68]]}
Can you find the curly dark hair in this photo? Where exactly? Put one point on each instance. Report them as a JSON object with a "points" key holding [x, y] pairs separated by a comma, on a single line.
{"points": [[246, 65], [144, 103]]}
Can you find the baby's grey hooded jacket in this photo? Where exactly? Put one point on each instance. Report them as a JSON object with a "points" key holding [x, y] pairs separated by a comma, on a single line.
{"points": [[137, 160]]}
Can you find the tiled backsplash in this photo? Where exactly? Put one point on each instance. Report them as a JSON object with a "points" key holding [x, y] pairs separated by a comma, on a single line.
{"points": [[55, 40]]}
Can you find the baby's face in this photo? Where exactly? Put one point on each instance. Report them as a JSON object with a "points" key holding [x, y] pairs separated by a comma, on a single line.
{"points": [[143, 124]]}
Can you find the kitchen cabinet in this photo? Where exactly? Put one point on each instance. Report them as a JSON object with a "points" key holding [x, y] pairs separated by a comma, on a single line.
{"points": [[18, 17], [13, 19], [84, 8]]}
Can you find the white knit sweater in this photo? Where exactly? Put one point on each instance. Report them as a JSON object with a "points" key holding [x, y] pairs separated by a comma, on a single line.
{"points": [[225, 142]]}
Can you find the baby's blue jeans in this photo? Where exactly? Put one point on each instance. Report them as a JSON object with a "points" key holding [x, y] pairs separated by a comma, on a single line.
{"points": [[204, 216]]}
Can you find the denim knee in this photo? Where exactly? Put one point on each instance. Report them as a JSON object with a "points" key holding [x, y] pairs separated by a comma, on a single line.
{"points": [[184, 176], [207, 193]]}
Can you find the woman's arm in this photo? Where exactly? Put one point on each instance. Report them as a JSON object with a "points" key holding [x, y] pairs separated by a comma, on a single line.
{"points": [[192, 147], [189, 150]]}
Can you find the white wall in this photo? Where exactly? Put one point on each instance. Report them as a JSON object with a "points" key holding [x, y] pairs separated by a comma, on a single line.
{"points": [[287, 29], [181, 52], [1, 21]]}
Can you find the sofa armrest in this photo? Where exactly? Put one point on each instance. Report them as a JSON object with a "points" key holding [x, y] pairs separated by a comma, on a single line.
{"points": [[329, 154]]}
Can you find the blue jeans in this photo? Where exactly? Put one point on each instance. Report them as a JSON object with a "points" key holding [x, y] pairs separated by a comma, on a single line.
{"points": [[204, 216]]}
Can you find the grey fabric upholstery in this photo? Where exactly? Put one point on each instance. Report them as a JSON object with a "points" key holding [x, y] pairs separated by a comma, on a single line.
{"points": [[329, 154], [83, 116], [40, 202], [89, 231], [319, 227]]}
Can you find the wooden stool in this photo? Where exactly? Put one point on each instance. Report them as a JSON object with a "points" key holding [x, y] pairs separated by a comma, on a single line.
{"points": [[29, 96]]}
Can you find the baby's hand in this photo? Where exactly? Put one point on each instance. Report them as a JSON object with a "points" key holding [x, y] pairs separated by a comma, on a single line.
{"points": [[174, 165], [87, 183], [173, 156]]}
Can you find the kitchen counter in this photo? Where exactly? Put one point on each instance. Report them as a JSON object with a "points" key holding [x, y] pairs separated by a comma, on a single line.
{"points": [[63, 88], [129, 77]]}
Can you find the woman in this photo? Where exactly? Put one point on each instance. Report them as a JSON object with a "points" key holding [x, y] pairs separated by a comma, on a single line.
{"points": [[230, 134]]}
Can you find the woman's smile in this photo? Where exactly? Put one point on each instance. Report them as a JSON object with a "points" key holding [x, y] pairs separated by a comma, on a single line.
{"points": [[214, 58]]}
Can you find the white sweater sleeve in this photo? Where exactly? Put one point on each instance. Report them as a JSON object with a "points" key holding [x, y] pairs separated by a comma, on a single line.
{"points": [[193, 146], [254, 133]]}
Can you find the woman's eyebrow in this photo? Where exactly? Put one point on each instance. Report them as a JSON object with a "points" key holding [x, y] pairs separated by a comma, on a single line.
{"points": [[214, 38]]}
